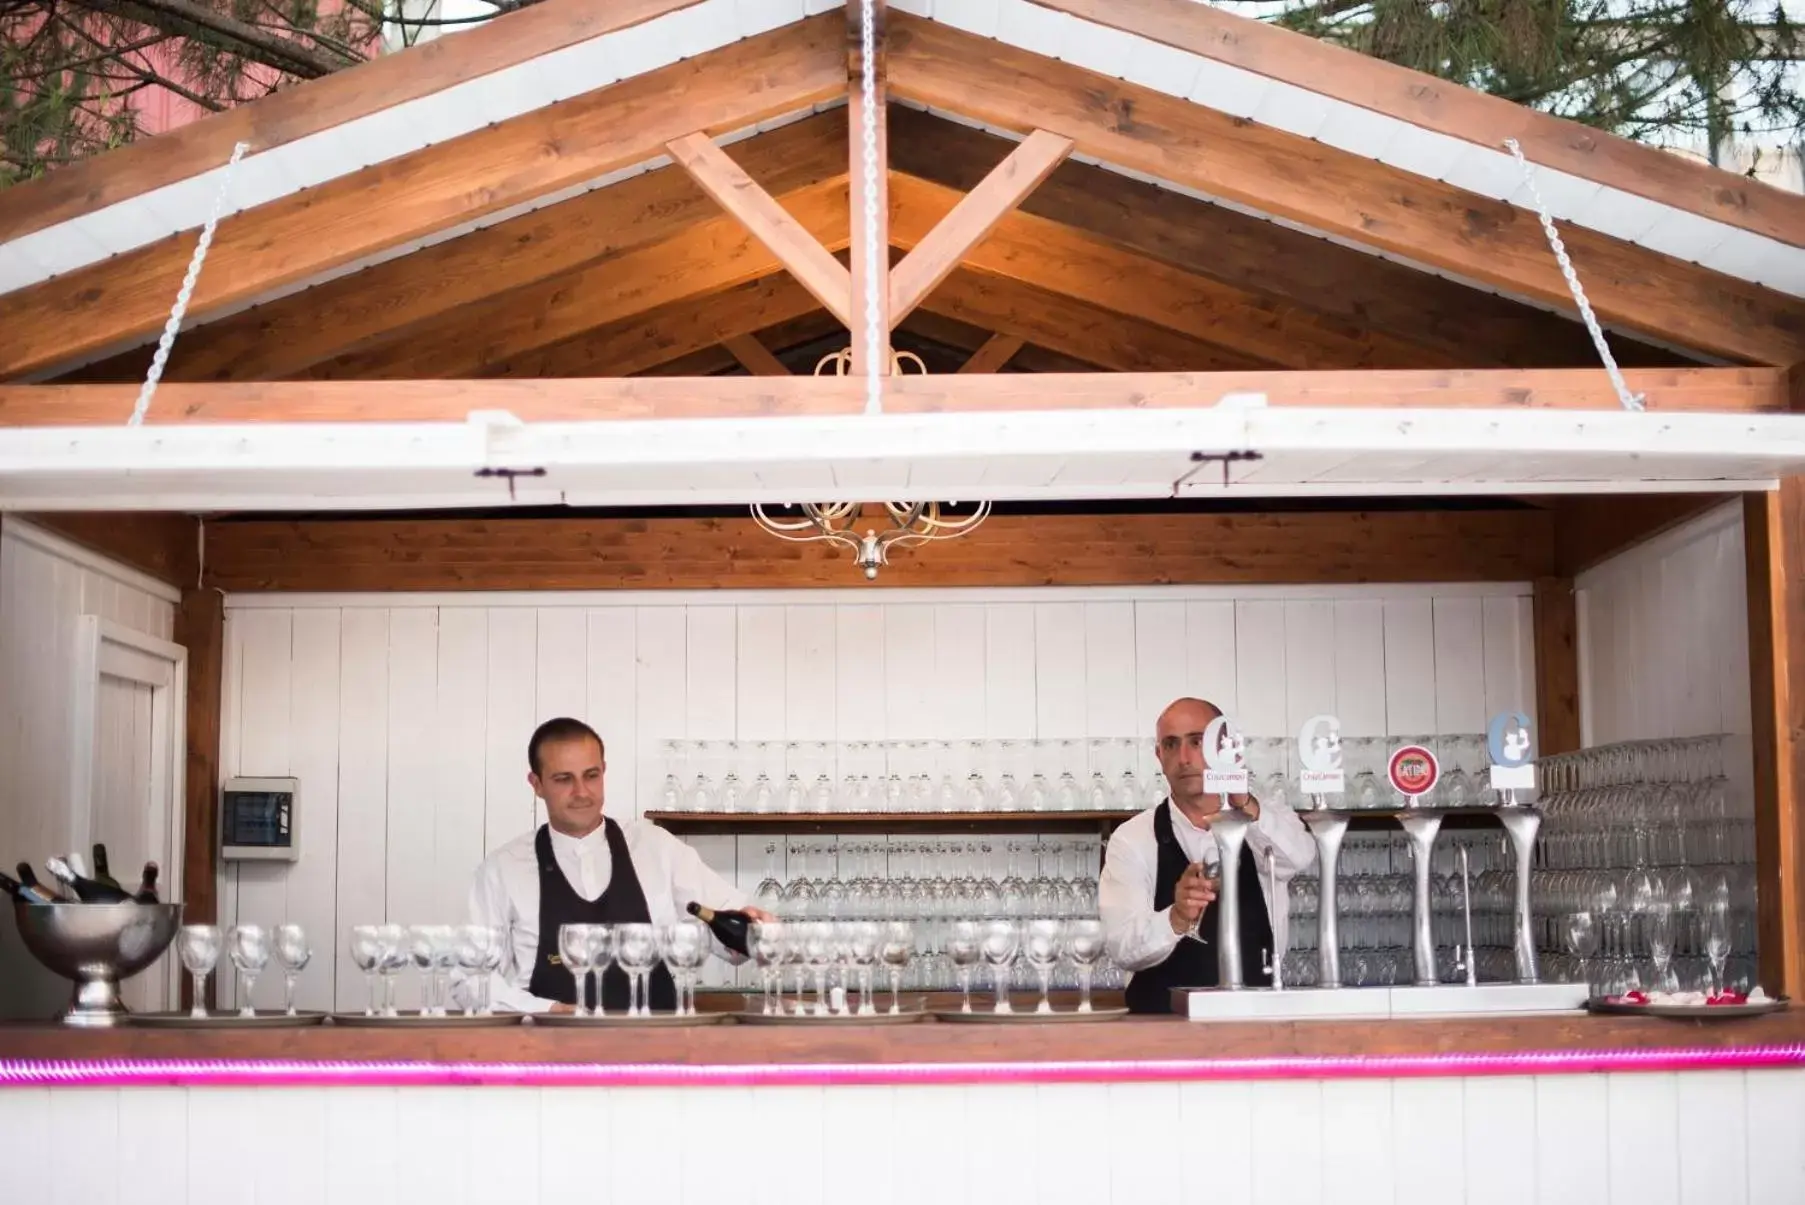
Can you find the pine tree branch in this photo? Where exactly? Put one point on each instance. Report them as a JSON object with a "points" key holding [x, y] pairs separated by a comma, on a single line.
{"points": [[187, 19]]}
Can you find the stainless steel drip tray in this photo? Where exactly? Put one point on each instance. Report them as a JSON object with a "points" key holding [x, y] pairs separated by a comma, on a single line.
{"points": [[1376, 1003]]}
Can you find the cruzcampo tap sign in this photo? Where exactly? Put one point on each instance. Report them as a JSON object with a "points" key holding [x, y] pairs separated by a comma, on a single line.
{"points": [[1413, 771], [1319, 756], [1513, 765], [1224, 758]]}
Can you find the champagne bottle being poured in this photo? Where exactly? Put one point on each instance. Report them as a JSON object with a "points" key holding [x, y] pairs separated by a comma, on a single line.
{"points": [[734, 928]]}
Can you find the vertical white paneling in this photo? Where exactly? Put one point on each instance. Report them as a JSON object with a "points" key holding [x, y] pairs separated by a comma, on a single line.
{"points": [[1360, 666], [1356, 1166], [299, 1115], [413, 891], [561, 680], [363, 788], [504, 1124], [1428, 1147], [459, 812], [1211, 653], [1287, 1171], [151, 1165], [661, 686], [1644, 1137], [1409, 666], [1161, 669], [314, 759], [1459, 665], [1260, 670], [512, 705], [363, 1156], [571, 1119], [1010, 706], [711, 663], [1310, 673], [1776, 1157], [909, 661], [1714, 1139], [81, 1123], [1495, 1106], [1224, 1110], [24, 1138], [613, 704], [760, 684], [960, 683], [1059, 688], [859, 672], [1572, 1139], [266, 674], [1509, 635], [810, 643], [1730, 575], [1110, 696]]}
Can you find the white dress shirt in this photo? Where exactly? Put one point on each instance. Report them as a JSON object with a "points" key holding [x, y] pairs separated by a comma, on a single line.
{"points": [[1139, 937], [505, 894]]}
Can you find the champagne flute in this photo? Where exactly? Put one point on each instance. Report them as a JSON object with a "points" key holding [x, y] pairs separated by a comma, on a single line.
{"points": [[1717, 940], [199, 949], [294, 955], [394, 956], [366, 955], [1582, 939], [248, 946], [768, 939]]}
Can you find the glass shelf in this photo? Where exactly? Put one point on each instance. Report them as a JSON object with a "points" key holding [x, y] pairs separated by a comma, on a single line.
{"points": [[752, 823]]}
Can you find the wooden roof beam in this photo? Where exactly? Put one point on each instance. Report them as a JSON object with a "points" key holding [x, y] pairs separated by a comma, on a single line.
{"points": [[1721, 390], [1340, 193], [754, 356], [997, 351], [343, 220]]}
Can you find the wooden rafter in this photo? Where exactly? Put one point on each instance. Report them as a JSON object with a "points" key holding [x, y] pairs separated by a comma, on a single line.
{"points": [[997, 351], [972, 218], [1723, 390], [707, 257], [1464, 113], [795, 247], [1340, 193], [515, 161], [1473, 327], [754, 356], [869, 207], [1060, 259], [294, 113]]}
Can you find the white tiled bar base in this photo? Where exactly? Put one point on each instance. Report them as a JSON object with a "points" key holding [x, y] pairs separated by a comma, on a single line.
{"points": [[1710, 1138]]}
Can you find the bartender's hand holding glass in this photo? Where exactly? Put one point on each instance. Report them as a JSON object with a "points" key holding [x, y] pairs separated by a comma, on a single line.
{"points": [[1195, 890]]}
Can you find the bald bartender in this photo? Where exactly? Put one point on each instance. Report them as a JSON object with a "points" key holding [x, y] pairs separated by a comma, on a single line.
{"points": [[580, 867], [1157, 894]]}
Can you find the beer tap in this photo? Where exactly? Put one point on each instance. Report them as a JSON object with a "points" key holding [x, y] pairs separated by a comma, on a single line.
{"points": [[1229, 827], [1464, 957]]}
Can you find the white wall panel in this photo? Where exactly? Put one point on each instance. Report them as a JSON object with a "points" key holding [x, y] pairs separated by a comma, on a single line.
{"points": [[410, 721]]}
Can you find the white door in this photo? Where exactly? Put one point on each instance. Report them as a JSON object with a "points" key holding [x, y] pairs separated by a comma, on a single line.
{"points": [[130, 694]]}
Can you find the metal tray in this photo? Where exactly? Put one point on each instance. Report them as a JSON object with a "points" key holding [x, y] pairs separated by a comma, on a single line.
{"points": [[912, 1012], [223, 1020], [980, 1016], [413, 1020], [654, 1020], [1688, 1012]]}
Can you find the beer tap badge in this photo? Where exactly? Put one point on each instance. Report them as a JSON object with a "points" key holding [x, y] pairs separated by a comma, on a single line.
{"points": [[1224, 758], [1413, 771], [1508, 741], [1319, 755]]}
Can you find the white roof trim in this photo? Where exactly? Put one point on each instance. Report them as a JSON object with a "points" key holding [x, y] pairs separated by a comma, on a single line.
{"points": [[999, 455]]}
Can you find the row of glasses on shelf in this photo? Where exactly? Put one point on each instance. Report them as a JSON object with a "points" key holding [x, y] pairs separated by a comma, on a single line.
{"points": [[1100, 774], [682, 945], [931, 879], [438, 952], [248, 948]]}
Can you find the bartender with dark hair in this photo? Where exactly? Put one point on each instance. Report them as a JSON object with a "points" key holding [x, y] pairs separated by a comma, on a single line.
{"points": [[1157, 893], [580, 867]]}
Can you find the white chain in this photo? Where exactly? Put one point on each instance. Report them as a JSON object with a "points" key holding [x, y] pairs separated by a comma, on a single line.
{"points": [[874, 360], [1631, 401], [186, 292]]}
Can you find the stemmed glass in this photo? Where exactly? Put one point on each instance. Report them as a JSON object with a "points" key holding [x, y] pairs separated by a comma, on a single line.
{"points": [[965, 946], [862, 946], [394, 956], [1084, 946], [293, 954], [636, 949], [818, 955], [479, 953], [769, 892], [896, 949], [366, 955], [1717, 940], [1000, 941], [1040, 946], [199, 949], [423, 948], [1659, 926], [248, 946], [576, 950], [768, 951], [1582, 939], [683, 944]]}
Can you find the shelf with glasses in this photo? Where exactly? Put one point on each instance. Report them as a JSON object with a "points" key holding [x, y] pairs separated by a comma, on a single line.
{"points": [[778, 823]]}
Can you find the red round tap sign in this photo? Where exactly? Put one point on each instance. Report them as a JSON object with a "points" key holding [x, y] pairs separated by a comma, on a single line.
{"points": [[1413, 770]]}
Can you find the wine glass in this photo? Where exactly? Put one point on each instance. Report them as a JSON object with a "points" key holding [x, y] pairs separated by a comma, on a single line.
{"points": [[394, 956], [1582, 939], [576, 952], [1658, 924], [479, 953], [1717, 940], [896, 949], [1040, 946], [1084, 946], [366, 955], [768, 952], [683, 944], [199, 950], [293, 954], [421, 952], [248, 946], [1000, 940], [636, 949], [862, 947], [965, 947]]}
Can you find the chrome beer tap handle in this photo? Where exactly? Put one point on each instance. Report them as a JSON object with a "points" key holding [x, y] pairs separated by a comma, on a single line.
{"points": [[1421, 830], [1328, 828], [1229, 827]]}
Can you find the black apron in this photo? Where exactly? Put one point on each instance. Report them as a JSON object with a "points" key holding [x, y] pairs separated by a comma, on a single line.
{"points": [[1193, 963], [624, 903]]}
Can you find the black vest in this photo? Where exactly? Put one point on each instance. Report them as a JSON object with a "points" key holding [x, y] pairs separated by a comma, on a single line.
{"points": [[1193, 963], [624, 903]]}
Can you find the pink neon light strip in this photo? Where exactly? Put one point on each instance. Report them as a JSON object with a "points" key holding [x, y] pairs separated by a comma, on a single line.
{"points": [[125, 1073]]}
